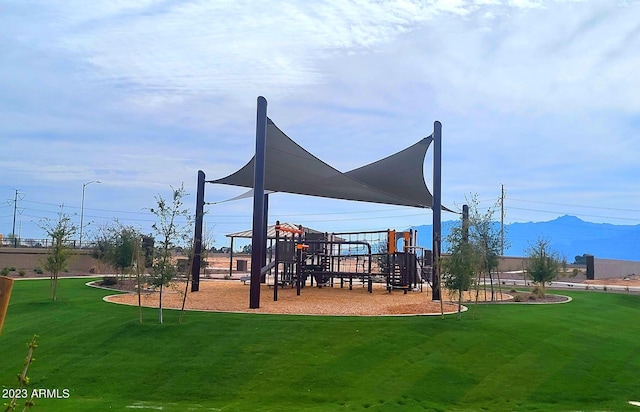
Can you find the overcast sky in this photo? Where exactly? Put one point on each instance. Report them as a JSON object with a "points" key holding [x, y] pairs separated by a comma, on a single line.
{"points": [[541, 96]]}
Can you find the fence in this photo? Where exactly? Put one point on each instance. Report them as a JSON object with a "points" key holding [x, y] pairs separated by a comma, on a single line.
{"points": [[41, 243]]}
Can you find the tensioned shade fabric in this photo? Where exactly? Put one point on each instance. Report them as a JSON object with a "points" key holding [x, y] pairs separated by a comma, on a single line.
{"points": [[394, 180]]}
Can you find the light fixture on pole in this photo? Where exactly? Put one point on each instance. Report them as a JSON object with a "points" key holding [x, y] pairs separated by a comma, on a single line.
{"points": [[82, 209]]}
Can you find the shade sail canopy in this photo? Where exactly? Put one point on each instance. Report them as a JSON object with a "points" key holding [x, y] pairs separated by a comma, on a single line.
{"points": [[289, 168]]}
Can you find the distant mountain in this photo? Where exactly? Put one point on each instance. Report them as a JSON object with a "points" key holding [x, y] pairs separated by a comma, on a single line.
{"points": [[568, 235]]}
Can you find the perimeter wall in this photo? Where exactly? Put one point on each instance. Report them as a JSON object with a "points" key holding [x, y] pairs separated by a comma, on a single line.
{"points": [[28, 259], [611, 268]]}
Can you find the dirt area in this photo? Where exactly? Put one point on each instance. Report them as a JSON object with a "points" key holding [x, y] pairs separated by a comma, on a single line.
{"points": [[233, 296]]}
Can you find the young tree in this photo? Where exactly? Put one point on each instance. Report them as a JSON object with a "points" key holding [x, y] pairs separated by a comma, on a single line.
{"points": [[474, 250], [461, 264], [138, 269], [61, 233], [118, 245], [543, 263], [485, 235], [171, 227]]}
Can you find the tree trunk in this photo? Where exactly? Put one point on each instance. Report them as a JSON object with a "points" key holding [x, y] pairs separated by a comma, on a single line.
{"points": [[54, 285], [160, 305], [491, 282], [139, 297], [460, 302]]}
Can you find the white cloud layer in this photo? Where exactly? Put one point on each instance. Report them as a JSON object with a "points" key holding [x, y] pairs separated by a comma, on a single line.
{"points": [[540, 95]]}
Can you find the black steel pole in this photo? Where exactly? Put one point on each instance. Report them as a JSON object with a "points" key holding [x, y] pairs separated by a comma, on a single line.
{"points": [[437, 208], [197, 235], [265, 216], [257, 236], [277, 258], [465, 223], [299, 247]]}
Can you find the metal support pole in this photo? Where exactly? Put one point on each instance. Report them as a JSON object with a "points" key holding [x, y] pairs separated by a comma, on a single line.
{"points": [[300, 246], [197, 236], [231, 258], [263, 257], [258, 230], [277, 258], [84, 185], [437, 208], [298, 268], [465, 223]]}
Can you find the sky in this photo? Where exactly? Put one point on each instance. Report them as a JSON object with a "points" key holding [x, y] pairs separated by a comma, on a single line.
{"points": [[540, 96]]}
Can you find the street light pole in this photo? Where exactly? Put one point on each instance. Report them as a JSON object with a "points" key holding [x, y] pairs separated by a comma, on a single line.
{"points": [[82, 209]]}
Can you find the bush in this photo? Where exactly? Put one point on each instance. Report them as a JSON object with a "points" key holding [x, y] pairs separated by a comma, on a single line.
{"points": [[12, 269], [38, 270], [109, 281], [21, 272], [94, 270], [517, 297], [5, 271], [538, 291]]}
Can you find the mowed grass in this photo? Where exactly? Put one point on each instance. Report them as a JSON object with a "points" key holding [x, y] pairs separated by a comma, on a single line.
{"points": [[584, 355]]}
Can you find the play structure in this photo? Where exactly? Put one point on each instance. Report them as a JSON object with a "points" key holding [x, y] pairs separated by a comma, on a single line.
{"points": [[281, 165], [305, 258]]}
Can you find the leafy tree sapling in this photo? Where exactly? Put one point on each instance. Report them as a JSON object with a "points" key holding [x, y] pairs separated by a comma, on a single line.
{"points": [[485, 236], [542, 264], [61, 233], [461, 264], [116, 246], [173, 224]]}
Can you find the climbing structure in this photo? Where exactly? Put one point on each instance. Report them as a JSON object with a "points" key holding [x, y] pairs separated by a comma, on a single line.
{"points": [[340, 259]]}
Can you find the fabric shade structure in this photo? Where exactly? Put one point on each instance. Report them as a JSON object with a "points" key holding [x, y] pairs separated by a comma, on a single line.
{"points": [[281, 165], [289, 168]]}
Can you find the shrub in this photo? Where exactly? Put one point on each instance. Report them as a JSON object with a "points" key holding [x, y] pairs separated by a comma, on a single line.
{"points": [[538, 291], [38, 270], [517, 297], [5, 271], [109, 280], [94, 270], [21, 272], [532, 297], [12, 269]]}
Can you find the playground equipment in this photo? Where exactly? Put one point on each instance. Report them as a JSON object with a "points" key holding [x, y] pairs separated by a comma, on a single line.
{"points": [[326, 259]]}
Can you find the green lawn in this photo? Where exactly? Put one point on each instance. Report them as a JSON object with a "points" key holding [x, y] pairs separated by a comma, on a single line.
{"points": [[578, 356]]}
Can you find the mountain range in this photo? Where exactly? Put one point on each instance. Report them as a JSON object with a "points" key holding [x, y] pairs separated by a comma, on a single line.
{"points": [[568, 235]]}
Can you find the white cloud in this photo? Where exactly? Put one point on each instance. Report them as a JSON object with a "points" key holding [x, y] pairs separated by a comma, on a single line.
{"points": [[142, 94]]}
